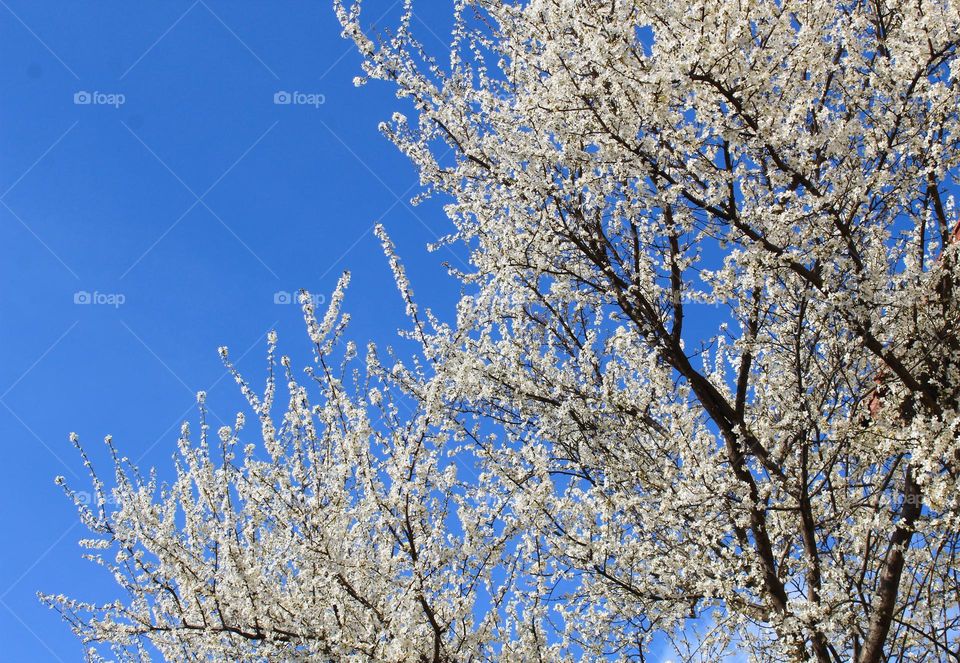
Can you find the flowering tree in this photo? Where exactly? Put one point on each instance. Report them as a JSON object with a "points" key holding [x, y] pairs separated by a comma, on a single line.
{"points": [[701, 392], [330, 542]]}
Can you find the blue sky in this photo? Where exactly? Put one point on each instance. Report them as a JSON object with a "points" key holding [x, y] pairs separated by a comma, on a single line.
{"points": [[154, 200]]}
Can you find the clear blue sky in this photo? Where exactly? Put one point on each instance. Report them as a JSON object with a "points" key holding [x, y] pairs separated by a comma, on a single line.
{"points": [[193, 202]]}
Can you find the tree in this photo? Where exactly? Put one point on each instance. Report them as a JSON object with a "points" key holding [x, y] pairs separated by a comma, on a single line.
{"points": [[705, 366]]}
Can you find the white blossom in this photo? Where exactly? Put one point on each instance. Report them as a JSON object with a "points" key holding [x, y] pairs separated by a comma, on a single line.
{"points": [[701, 386]]}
